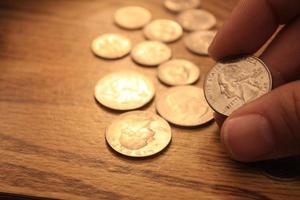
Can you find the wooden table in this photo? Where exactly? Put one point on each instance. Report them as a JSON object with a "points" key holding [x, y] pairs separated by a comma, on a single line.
{"points": [[52, 130]]}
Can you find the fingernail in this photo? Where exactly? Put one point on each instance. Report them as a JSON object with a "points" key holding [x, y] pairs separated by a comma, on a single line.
{"points": [[248, 138]]}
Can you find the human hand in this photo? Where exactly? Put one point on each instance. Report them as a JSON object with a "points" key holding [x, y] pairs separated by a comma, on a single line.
{"points": [[269, 127]]}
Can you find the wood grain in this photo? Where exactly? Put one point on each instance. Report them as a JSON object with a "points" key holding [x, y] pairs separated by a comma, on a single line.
{"points": [[52, 130]]}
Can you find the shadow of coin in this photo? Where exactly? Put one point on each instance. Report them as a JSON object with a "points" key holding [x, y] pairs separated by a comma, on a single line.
{"points": [[125, 157], [287, 169]]}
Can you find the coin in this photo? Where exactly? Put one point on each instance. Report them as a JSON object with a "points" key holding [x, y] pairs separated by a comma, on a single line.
{"points": [[163, 30], [132, 17], [111, 46], [232, 84], [124, 90], [138, 134], [181, 5], [199, 41], [151, 53], [184, 106], [178, 72], [196, 19]]}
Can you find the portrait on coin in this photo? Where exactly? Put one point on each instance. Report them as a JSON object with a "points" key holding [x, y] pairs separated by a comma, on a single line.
{"points": [[237, 82], [137, 133]]}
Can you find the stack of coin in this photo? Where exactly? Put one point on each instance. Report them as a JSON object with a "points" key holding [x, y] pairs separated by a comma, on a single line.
{"points": [[143, 133]]}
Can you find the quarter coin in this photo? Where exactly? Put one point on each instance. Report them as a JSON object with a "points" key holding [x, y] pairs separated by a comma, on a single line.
{"points": [[196, 19], [181, 5], [184, 106], [111, 46], [178, 72], [138, 134], [198, 42], [232, 84], [151, 53], [163, 30], [132, 17], [124, 90]]}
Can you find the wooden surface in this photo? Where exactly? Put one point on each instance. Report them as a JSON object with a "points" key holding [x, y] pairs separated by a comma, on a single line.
{"points": [[52, 131]]}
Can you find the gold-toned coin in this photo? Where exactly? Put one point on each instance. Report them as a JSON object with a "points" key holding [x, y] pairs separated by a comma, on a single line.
{"points": [[196, 19], [132, 17], [163, 30], [232, 84], [124, 90], [198, 42], [178, 72], [111, 46], [181, 5], [138, 134], [184, 106], [151, 53]]}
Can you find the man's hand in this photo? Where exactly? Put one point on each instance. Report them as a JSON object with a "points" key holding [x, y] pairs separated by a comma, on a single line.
{"points": [[270, 126]]}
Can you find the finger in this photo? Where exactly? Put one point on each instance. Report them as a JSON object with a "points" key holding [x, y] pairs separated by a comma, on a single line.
{"points": [[283, 54], [282, 57], [251, 24], [267, 128]]}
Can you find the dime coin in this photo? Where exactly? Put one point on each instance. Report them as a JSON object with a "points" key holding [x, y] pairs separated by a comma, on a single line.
{"points": [[181, 5], [230, 85], [199, 41], [132, 17], [151, 53], [111, 46], [138, 134], [163, 30], [193, 20], [184, 106], [124, 90], [178, 72]]}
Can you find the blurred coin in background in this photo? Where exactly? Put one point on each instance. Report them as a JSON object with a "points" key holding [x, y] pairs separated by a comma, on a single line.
{"points": [[132, 17], [196, 19], [151, 53], [181, 5], [163, 30], [199, 41], [178, 72], [111, 46]]}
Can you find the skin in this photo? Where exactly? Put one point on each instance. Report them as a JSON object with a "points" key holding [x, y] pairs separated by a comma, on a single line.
{"points": [[268, 128]]}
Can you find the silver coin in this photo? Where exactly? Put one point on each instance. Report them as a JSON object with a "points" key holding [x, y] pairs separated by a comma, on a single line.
{"points": [[132, 17], [232, 84], [178, 72], [181, 5], [196, 19], [111, 46], [184, 106], [151, 53], [163, 30], [198, 42], [138, 134]]}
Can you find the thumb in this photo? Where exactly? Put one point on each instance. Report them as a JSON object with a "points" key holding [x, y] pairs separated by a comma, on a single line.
{"points": [[267, 128]]}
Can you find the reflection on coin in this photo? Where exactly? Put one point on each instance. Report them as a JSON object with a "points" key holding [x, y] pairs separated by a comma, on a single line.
{"points": [[230, 85], [138, 134], [178, 72], [163, 30], [111, 46], [199, 41], [181, 5], [151, 53], [184, 106], [132, 17], [124, 90], [193, 20]]}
